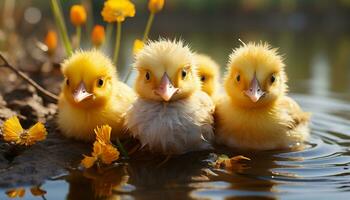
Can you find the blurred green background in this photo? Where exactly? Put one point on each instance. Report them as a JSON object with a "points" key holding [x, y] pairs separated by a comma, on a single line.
{"points": [[313, 35]]}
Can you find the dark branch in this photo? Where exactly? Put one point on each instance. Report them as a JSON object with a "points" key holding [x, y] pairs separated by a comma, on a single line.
{"points": [[40, 89]]}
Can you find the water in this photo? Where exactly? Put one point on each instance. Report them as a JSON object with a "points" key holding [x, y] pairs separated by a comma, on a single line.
{"points": [[319, 74]]}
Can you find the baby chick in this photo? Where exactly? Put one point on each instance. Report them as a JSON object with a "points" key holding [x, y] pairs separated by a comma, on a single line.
{"points": [[172, 115], [91, 96], [255, 113], [209, 74]]}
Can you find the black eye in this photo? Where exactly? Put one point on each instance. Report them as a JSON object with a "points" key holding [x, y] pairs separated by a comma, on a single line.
{"points": [[148, 76], [238, 78], [273, 78], [100, 83], [183, 74], [67, 81], [202, 78]]}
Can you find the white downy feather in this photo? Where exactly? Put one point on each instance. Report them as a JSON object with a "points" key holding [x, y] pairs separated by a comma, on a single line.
{"points": [[173, 127]]}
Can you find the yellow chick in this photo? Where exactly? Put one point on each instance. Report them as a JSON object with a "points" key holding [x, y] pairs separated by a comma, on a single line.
{"points": [[255, 113], [209, 74], [172, 115], [92, 96]]}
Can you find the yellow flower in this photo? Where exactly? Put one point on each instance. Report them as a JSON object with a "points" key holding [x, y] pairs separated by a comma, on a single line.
{"points": [[17, 192], [51, 41], [77, 15], [101, 153], [103, 150], [155, 6], [138, 45], [37, 191], [13, 132], [117, 10], [98, 35], [103, 134]]}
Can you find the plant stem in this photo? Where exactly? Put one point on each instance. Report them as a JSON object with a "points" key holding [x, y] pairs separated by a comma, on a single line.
{"points": [[78, 36], [148, 27], [61, 26], [117, 43], [51, 96], [122, 149]]}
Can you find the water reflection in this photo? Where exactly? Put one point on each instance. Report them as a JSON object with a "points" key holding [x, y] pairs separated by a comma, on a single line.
{"points": [[20, 192], [171, 180], [96, 183]]}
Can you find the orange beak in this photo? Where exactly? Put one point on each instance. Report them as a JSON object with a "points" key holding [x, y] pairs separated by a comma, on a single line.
{"points": [[166, 89], [80, 93], [254, 92]]}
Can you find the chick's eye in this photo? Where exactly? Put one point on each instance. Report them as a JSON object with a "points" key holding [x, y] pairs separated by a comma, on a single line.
{"points": [[273, 78], [148, 76], [203, 78], [67, 81], [183, 74], [100, 83], [238, 78]]}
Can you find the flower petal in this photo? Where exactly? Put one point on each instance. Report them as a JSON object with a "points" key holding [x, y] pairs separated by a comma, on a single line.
{"points": [[88, 161], [103, 134], [109, 154], [35, 134], [12, 130], [117, 10], [138, 45]]}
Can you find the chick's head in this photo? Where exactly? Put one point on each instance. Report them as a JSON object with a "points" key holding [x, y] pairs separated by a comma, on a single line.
{"points": [[208, 71], [255, 75], [166, 71], [89, 78]]}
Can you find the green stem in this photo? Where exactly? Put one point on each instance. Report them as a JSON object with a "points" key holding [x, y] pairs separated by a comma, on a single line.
{"points": [[122, 149], [78, 36], [117, 43], [148, 27], [61, 26]]}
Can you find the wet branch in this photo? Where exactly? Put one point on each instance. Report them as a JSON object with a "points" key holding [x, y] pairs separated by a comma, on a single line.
{"points": [[41, 90]]}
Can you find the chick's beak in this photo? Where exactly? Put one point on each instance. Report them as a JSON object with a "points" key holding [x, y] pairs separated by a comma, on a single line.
{"points": [[254, 92], [80, 93], [166, 89]]}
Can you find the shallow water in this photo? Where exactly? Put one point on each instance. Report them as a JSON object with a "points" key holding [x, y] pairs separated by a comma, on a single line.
{"points": [[319, 74]]}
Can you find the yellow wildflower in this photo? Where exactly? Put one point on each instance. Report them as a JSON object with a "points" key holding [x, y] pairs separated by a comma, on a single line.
{"points": [[103, 150], [78, 15], [37, 191], [51, 41], [15, 193], [155, 6], [13, 132], [103, 134], [138, 45], [98, 35], [117, 10], [101, 153]]}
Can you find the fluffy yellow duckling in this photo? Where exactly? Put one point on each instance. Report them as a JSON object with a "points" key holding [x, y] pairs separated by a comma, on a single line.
{"points": [[92, 96], [209, 74], [172, 115], [255, 113]]}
